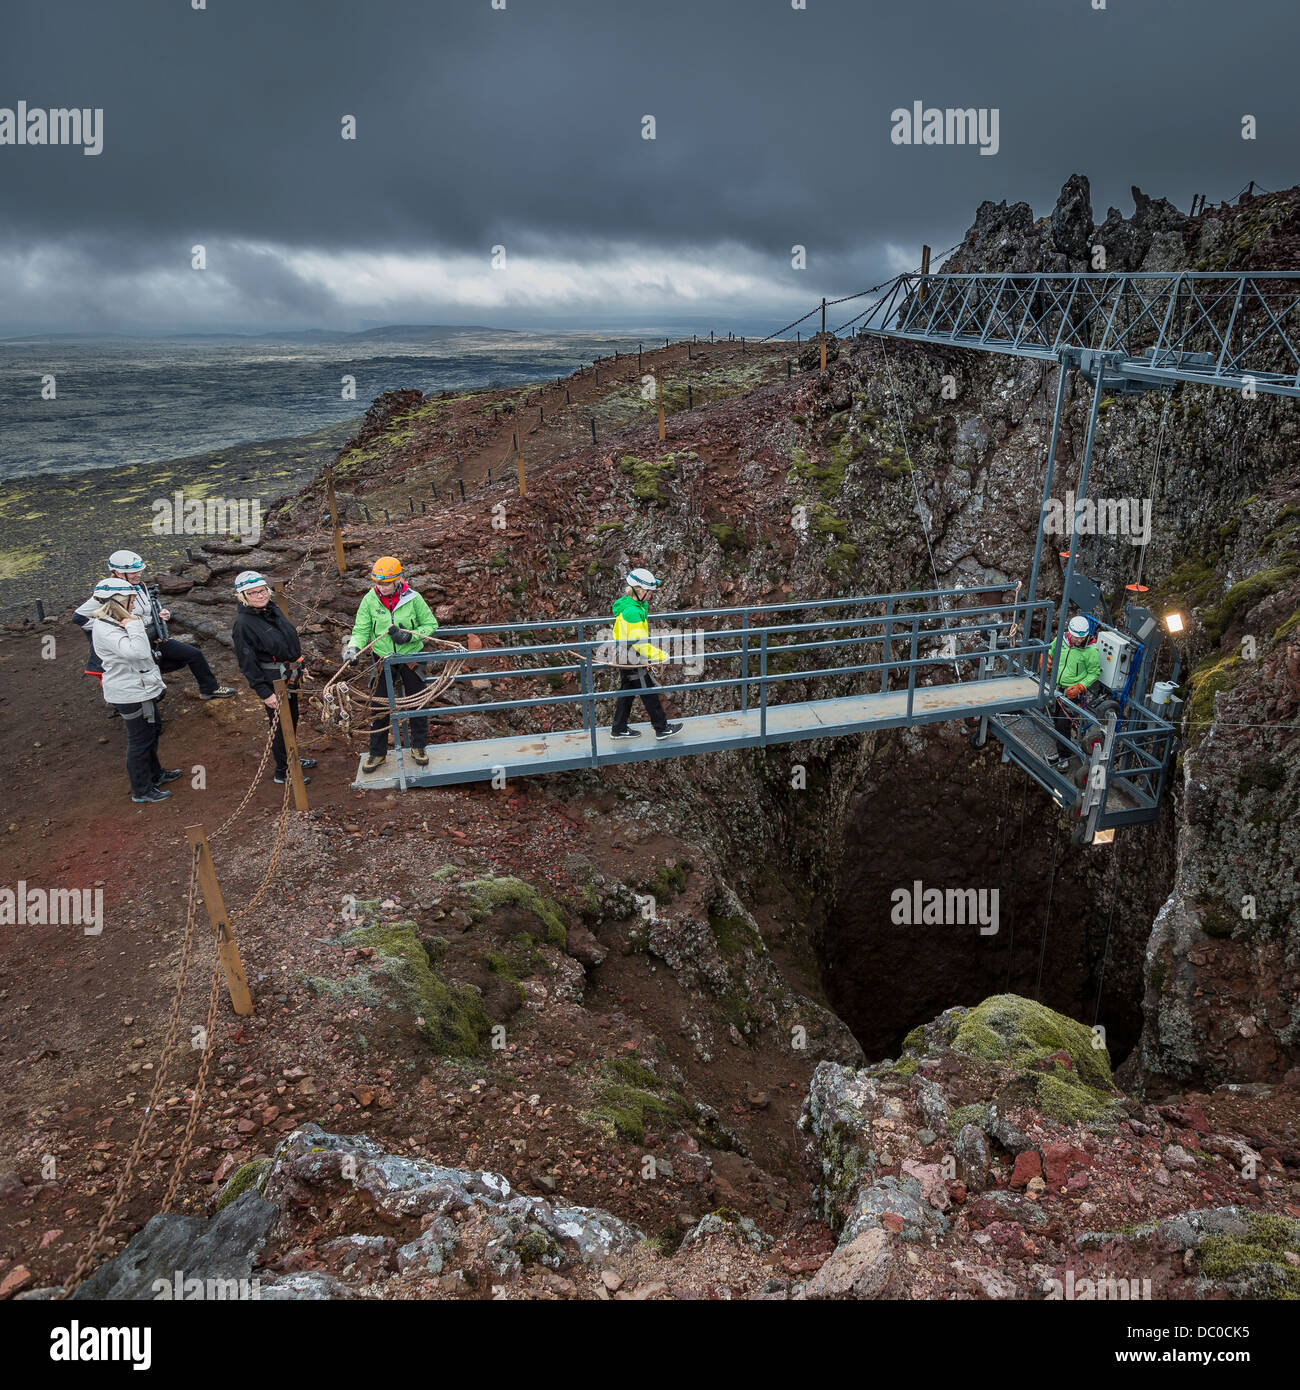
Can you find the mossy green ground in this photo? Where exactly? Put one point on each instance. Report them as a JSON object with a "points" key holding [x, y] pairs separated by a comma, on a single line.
{"points": [[1258, 1259], [1244, 596], [648, 474], [631, 1097]]}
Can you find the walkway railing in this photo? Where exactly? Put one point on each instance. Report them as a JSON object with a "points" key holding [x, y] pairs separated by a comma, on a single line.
{"points": [[976, 633]]}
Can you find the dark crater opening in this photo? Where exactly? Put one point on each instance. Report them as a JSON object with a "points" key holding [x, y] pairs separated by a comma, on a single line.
{"points": [[973, 823]]}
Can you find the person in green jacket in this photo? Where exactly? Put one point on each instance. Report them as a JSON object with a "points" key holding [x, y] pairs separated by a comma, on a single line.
{"points": [[634, 653], [1076, 672], [395, 619]]}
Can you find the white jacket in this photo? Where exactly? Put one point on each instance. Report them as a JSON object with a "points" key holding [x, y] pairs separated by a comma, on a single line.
{"points": [[130, 673]]}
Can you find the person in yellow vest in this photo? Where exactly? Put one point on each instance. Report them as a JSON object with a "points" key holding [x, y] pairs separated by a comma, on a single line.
{"points": [[634, 655]]}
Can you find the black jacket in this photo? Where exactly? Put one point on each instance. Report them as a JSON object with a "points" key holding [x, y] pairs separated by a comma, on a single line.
{"points": [[263, 636]]}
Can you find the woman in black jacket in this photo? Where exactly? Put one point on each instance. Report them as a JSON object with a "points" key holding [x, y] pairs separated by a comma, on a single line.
{"points": [[267, 646]]}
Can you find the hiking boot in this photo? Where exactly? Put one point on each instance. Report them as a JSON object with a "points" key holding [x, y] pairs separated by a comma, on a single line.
{"points": [[668, 731], [282, 777], [170, 776], [625, 733], [153, 794], [374, 761], [222, 692], [306, 762], [421, 756]]}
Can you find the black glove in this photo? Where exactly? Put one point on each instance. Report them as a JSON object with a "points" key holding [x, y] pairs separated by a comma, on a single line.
{"points": [[401, 634]]}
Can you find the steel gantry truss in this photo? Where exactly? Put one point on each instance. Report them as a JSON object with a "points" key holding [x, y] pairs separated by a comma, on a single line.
{"points": [[1217, 328], [1125, 334]]}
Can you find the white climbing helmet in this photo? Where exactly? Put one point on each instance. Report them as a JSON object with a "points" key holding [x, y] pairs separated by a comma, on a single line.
{"points": [[127, 561], [246, 580], [113, 588], [642, 579], [1078, 630]]}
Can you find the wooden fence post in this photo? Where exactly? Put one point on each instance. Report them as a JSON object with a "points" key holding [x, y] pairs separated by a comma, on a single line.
{"points": [[659, 391], [823, 332], [227, 951], [290, 735], [519, 465]]}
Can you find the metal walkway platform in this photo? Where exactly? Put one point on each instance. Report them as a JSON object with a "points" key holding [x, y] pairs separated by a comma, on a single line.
{"points": [[527, 755]]}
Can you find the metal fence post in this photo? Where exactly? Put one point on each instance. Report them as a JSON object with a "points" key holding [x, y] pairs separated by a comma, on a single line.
{"points": [[744, 663], [588, 680], [889, 646], [762, 671], [911, 665]]}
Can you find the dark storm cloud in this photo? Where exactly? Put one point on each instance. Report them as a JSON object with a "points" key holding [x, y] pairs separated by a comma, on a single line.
{"points": [[523, 126]]}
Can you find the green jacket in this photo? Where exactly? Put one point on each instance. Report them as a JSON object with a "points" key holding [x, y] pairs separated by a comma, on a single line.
{"points": [[373, 618], [1081, 666], [631, 624]]}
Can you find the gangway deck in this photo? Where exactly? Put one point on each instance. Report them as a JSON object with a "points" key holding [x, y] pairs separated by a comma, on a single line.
{"points": [[558, 752]]}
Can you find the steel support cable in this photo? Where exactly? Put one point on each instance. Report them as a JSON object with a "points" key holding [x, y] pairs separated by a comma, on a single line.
{"points": [[1015, 880], [1105, 950], [1155, 477], [1047, 922], [893, 280]]}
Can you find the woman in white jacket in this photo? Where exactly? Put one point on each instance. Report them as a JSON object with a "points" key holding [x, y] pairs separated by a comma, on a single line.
{"points": [[132, 684]]}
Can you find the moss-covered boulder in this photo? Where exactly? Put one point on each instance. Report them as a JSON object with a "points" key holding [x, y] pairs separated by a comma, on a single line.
{"points": [[488, 895], [452, 1018], [1010, 1028], [1073, 1082]]}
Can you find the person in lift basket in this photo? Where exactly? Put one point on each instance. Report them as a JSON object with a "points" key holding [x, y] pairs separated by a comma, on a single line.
{"points": [[1077, 668], [634, 654]]}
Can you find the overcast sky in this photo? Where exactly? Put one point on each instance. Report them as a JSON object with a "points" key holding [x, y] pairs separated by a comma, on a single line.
{"points": [[523, 128]]}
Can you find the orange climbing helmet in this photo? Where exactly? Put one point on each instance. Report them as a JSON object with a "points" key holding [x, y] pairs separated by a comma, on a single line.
{"points": [[386, 569]]}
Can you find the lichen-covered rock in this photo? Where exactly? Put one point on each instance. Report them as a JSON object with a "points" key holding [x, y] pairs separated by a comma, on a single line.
{"points": [[837, 1113], [897, 1205], [728, 1224], [219, 1253], [971, 1150], [312, 1166]]}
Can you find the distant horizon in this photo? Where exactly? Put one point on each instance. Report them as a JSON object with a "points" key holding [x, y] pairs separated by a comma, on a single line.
{"points": [[566, 325]]}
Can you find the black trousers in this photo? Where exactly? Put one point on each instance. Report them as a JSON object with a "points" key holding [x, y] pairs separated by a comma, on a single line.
{"points": [[639, 680], [278, 751], [172, 655], [406, 679], [1061, 722], [142, 765]]}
